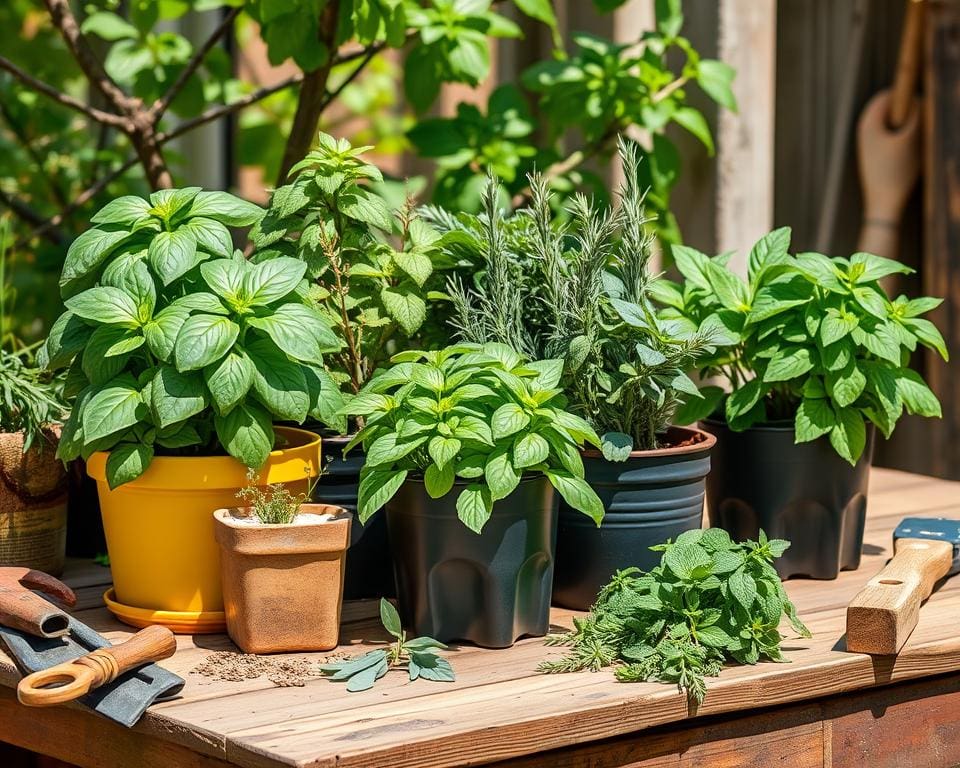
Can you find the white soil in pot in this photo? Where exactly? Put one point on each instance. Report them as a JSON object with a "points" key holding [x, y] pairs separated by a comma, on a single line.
{"points": [[302, 518]]}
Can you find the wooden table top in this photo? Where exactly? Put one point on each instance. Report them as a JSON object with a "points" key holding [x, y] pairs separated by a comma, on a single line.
{"points": [[500, 707]]}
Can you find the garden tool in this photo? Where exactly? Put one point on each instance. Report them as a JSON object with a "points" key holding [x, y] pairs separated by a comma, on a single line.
{"points": [[73, 679], [22, 609], [32, 630], [882, 616]]}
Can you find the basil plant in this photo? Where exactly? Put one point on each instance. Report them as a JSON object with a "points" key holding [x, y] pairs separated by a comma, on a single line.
{"points": [[178, 345], [471, 419], [808, 338]]}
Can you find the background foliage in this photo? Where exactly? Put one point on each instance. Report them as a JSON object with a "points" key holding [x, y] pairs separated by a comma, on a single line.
{"points": [[64, 154]]}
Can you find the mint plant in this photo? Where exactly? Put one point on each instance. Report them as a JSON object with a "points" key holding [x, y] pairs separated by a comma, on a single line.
{"points": [[176, 344], [471, 419], [581, 292], [370, 265], [808, 338], [362, 672], [711, 600]]}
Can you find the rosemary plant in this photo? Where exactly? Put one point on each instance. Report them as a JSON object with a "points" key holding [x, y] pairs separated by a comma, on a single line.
{"points": [[579, 291]]}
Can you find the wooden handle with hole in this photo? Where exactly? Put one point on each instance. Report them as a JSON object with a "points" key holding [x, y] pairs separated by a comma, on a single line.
{"points": [[882, 616], [69, 681]]}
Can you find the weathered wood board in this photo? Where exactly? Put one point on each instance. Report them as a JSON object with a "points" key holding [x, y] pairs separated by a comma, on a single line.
{"points": [[500, 708]]}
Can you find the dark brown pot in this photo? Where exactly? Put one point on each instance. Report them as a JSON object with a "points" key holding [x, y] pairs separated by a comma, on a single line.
{"points": [[33, 504], [283, 584]]}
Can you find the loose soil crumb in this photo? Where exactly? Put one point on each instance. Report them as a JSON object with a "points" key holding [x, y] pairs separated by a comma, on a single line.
{"points": [[283, 673]]}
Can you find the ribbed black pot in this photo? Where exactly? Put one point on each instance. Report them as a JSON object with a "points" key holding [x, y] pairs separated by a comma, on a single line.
{"points": [[369, 572], [649, 498], [804, 493], [490, 588]]}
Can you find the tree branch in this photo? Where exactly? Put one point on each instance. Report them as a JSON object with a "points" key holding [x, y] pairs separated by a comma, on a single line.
{"points": [[312, 93], [66, 23], [215, 113], [63, 98], [82, 199], [163, 104], [331, 95], [27, 214]]}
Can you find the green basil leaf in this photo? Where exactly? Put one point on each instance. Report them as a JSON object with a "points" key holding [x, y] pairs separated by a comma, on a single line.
{"points": [[246, 433], [176, 396], [439, 480], [229, 380], [273, 279], [86, 254], [105, 304], [68, 336], [500, 475], [173, 254], [814, 419], [127, 209], [203, 339], [299, 331], [225, 277], [212, 236], [376, 488], [161, 332], [115, 406], [279, 382], [578, 494], [787, 364], [127, 462], [474, 505], [225, 208]]}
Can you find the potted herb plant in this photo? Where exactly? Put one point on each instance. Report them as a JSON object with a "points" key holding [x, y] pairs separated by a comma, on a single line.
{"points": [[464, 448], [282, 564], [371, 269], [818, 356], [33, 495], [181, 353], [580, 292]]}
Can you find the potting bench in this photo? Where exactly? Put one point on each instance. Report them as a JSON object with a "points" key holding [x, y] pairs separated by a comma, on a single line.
{"points": [[825, 708]]}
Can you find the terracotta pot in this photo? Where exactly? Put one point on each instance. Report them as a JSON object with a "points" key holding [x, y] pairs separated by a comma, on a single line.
{"points": [[33, 503], [283, 584]]}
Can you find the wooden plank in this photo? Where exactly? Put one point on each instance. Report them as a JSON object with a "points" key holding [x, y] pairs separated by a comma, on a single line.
{"points": [[910, 725], [794, 736], [500, 708], [90, 741], [941, 175], [748, 42]]}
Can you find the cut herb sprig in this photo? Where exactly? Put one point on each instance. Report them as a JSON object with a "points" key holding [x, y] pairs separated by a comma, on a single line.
{"points": [[417, 654], [711, 600]]}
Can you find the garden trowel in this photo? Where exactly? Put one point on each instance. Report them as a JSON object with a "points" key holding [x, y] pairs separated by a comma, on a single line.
{"points": [[40, 636], [884, 613]]}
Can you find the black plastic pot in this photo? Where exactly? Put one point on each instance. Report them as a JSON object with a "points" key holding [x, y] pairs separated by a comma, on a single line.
{"points": [[649, 498], [369, 571], [804, 493], [490, 588]]}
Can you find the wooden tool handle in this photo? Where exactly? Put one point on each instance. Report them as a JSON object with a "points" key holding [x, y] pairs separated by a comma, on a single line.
{"points": [[902, 94], [69, 681], [882, 616]]}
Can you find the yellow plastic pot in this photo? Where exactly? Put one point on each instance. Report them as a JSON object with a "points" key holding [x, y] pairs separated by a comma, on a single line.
{"points": [[160, 530]]}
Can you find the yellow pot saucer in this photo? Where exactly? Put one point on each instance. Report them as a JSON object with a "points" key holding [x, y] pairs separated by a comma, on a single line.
{"points": [[181, 622]]}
